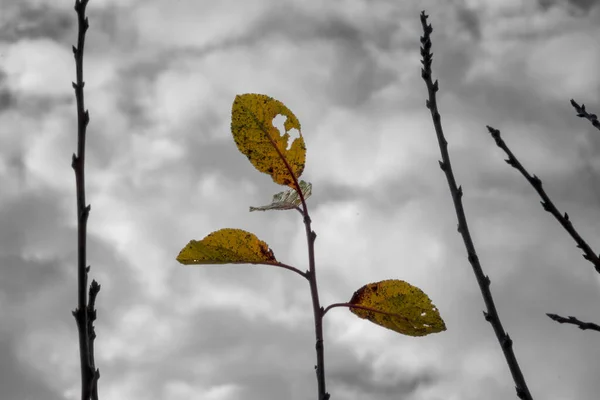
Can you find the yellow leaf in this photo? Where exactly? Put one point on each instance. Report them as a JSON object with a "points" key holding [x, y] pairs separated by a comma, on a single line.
{"points": [[255, 136], [227, 246], [407, 309]]}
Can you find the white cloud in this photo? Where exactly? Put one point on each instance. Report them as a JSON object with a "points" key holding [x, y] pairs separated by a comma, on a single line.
{"points": [[162, 169]]}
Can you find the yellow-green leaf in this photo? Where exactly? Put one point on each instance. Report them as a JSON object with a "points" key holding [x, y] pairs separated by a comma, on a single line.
{"points": [[407, 309], [256, 137], [227, 246], [288, 199]]}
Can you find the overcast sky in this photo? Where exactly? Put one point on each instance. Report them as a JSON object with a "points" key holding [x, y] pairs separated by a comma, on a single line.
{"points": [[162, 168]]}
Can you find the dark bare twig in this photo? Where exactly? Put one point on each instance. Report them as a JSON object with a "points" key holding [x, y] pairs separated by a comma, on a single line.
{"points": [[84, 314], [572, 320], [581, 113], [484, 281], [547, 203], [94, 289]]}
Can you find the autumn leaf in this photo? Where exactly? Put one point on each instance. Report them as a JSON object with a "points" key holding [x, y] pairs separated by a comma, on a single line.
{"points": [[287, 200], [255, 136], [406, 308], [227, 246]]}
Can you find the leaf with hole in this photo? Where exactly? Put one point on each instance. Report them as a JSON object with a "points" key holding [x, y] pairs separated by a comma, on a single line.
{"points": [[255, 136], [402, 307]]}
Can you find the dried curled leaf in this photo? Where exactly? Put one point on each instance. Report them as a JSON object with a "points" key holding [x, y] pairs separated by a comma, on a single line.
{"points": [[227, 246], [255, 136], [288, 199], [406, 309]]}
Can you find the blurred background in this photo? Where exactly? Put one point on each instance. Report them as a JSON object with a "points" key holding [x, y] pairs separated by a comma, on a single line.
{"points": [[162, 168]]}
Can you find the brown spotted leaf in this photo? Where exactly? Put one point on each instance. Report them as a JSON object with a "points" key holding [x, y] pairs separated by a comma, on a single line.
{"points": [[255, 136], [406, 308], [227, 246]]}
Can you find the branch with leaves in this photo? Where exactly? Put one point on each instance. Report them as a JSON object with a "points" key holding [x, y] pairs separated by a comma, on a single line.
{"points": [[84, 314], [393, 304]]}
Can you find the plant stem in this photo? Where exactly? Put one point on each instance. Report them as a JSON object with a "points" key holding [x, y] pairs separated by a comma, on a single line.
{"points": [[84, 314], [329, 307], [311, 275], [317, 310]]}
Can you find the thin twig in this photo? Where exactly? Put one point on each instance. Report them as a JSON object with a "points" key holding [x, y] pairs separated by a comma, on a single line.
{"points": [[84, 314], [311, 275], [572, 320], [536, 182], [547, 204], [317, 309], [484, 281], [581, 113]]}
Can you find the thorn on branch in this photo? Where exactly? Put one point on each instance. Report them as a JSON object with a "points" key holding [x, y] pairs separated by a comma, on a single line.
{"points": [[495, 132], [507, 341], [546, 206], [486, 316]]}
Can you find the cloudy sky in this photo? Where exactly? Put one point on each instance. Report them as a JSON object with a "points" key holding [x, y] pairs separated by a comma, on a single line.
{"points": [[162, 168]]}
